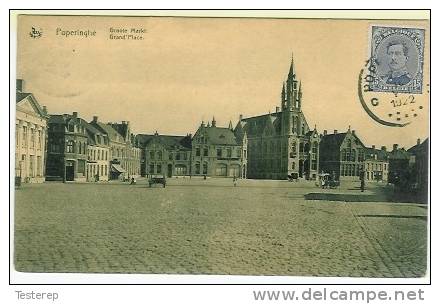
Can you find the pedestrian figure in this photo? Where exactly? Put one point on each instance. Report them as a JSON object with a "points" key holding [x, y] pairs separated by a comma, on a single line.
{"points": [[235, 181], [133, 181], [362, 177]]}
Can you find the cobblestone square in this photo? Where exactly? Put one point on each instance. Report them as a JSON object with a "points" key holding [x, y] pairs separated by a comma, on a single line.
{"points": [[211, 227]]}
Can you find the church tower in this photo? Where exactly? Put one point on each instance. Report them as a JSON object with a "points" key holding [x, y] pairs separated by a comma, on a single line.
{"points": [[291, 102]]}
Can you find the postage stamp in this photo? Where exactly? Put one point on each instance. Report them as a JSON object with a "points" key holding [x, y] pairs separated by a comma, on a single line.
{"points": [[397, 59]]}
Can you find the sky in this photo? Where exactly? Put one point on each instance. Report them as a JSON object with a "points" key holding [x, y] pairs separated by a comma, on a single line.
{"points": [[187, 70]]}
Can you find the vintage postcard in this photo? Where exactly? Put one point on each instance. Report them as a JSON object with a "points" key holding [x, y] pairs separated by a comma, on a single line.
{"points": [[226, 146]]}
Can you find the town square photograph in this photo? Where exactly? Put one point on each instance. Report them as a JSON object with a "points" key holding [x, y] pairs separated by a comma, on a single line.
{"points": [[222, 146]]}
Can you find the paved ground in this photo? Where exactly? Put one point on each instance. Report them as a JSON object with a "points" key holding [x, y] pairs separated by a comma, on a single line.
{"points": [[211, 227]]}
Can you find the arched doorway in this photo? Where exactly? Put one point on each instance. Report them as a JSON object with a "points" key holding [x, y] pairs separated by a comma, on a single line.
{"points": [[234, 170], [170, 170], [180, 170], [220, 170], [301, 168]]}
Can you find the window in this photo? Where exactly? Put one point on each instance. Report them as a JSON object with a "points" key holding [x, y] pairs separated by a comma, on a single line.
{"points": [[17, 142], [32, 138], [205, 168], [205, 152], [39, 166], [353, 155], [151, 171], [293, 166], [177, 155], [102, 170], [105, 170], [70, 146], [159, 155], [314, 164], [159, 168], [99, 154], [219, 152], [197, 168], [229, 152], [170, 155], [197, 151], [293, 153], [24, 139], [151, 154], [184, 155]]}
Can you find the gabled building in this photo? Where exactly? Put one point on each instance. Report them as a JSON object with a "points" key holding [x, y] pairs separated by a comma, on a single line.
{"points": [[118, 149], [165, 154], [218, 151], [67, 148], [419, 161], [98, 155], [376, 164], [399, 169], [30, 136], [342, 155], [282, 143]]}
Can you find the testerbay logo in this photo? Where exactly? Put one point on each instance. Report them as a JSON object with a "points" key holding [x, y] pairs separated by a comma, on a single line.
{"points": [[34, 33]]}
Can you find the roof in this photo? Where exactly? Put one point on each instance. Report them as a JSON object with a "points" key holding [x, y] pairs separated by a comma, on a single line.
{"points": [[112, 134], [332, 141], [381, 154], [220, 136], [21, 96], [169, 141], [92, 132], [421, 148], [255, 126], [398, 154]]}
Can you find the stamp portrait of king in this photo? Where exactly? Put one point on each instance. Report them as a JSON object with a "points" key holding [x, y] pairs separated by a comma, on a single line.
{"points": [[397, 59]]}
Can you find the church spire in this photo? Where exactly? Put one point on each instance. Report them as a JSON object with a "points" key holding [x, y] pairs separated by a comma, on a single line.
{"points": [[292, 72], [213, 121], [283, 93]]}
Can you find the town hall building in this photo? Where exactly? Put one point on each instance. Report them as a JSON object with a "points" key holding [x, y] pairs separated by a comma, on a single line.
{"points": [[281, 144]]}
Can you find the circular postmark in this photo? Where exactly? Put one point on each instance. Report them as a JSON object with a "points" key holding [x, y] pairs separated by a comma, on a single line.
{"points": [[390, 85], [391, 109]]}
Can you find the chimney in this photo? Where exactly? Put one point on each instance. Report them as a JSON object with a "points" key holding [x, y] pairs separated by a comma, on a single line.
{"points": [[277, 109], [20, 85], [418, 141], [395, 146], [353, 132], [383, 148], [335, 131], [325, 132], [95, 118], [373, 147], [241, 117], [44, 109], [75, 114]]}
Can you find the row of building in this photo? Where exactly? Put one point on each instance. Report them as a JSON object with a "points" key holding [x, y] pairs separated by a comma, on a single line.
{"points": [[271, 146]]}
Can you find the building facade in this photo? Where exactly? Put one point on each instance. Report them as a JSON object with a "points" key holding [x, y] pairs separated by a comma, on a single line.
{"points": [[376, 164], [98, 155], [218, 152], [282, 143], [399, 168], [67, 148], [118, 149], [30, 136], [165, 155], [342, 155]]}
